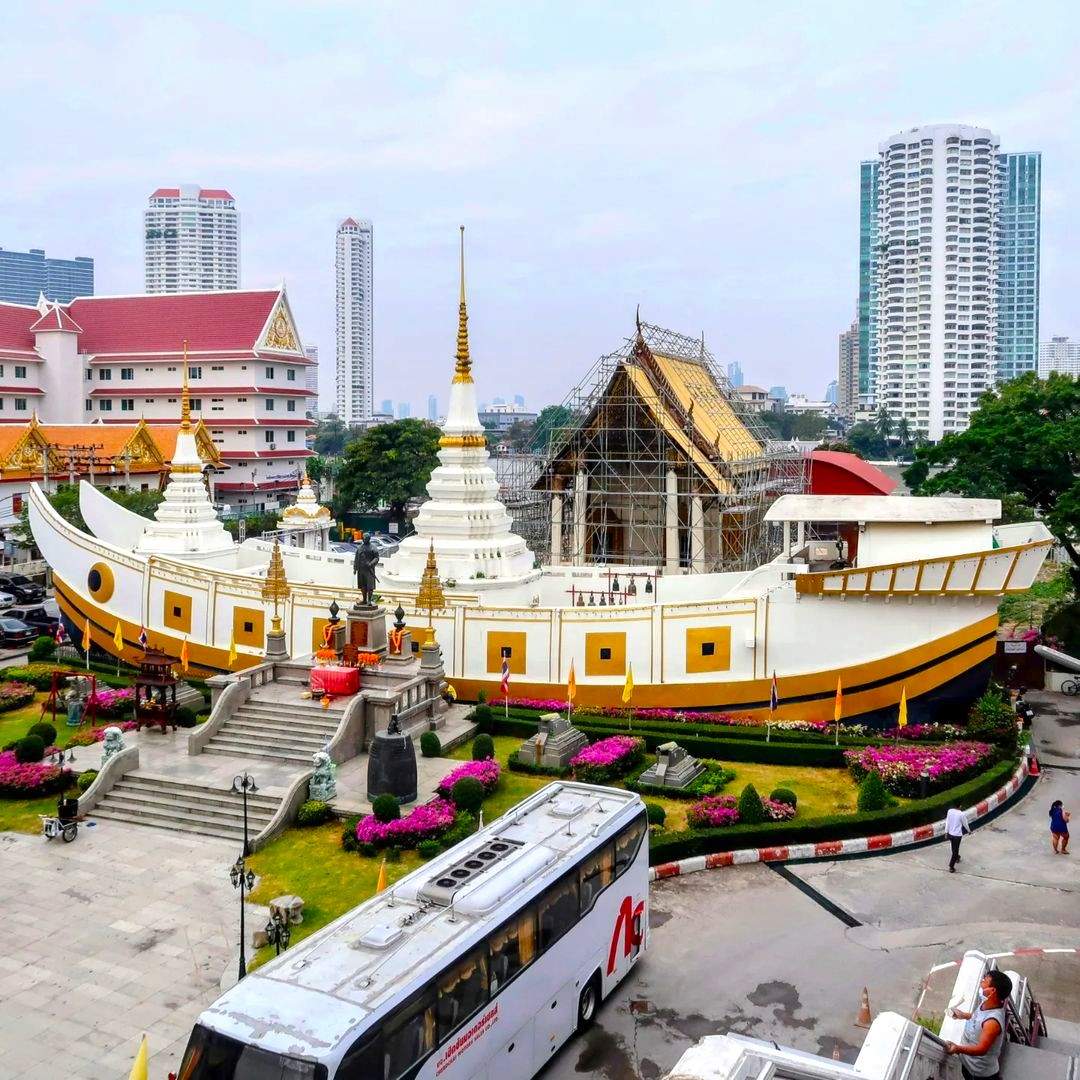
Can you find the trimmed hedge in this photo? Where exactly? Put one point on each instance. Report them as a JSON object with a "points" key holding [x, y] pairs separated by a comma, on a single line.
{"points": [[515, 764], [683, 845], [713, 772]]}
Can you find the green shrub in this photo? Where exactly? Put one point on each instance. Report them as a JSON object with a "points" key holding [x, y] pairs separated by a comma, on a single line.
{"points": [[483, 748], [392, 853], [751, 812], [385, 808], [185, 717], [428, 849], [43, 648], [516, 764], [348, 835], [38, 676], [711, 782], [314, 812], [430, 745], [481, 697], [784, 795], [467, 794], [14, 695], [44, 731], [29, 748], [993, 720], [367, 849], [86, 779], [872, 793], [656, 813], [464, 826], [484, 719]]}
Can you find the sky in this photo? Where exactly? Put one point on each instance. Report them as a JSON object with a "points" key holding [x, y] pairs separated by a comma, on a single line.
{"points": [[700, 160]]}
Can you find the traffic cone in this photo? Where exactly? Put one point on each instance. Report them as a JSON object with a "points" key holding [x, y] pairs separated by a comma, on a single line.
{"points": [[1033, 764], [864, 1018]]}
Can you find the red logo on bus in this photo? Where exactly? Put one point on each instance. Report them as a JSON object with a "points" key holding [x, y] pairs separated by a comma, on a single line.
{"points": [[629, 925]]}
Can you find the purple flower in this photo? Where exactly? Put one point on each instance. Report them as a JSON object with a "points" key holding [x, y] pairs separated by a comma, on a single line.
{"points": [[901, 767], [712, 812], [425, 822], [487, 772]]}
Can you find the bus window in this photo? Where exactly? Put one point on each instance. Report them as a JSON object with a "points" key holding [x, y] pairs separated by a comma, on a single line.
{"points": [[462, 990], [213, 1056], [408, 1038], [596, 873], [627, 844], [363, 1061], [512, 948], [558, 911]]}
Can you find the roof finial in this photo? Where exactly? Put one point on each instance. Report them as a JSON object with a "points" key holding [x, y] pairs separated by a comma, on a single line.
{"points": [[463, 367], [185, 404], [637, 319]]}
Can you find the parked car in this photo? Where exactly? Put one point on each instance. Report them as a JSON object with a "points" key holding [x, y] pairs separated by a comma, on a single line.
{"points": [[6, 600], [22, 588], [384, 545], [14, 633], [35, 615], [342, 547]]}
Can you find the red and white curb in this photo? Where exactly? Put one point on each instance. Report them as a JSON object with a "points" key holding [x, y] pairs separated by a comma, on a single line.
{"points": [[828, 849]]}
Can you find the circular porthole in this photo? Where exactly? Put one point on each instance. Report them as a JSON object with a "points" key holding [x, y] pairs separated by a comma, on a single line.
{"points": [[100, 582]]}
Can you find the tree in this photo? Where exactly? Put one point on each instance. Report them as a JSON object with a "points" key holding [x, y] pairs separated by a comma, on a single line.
{"points": [[1022, 446], [331, 435], [866, 442], [520, 434], [552, 419], [903, 431], [883, 424], [387, 466], [317, 468]]}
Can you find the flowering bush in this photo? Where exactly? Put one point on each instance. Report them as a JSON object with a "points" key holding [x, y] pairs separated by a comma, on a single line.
{"points": [[426, 822], [712, 812], [14, 695], [606, 759], [112, 702], [31, 781], [925, 732], [487, 772], [93, 735], [778, 811], [901, 767]]}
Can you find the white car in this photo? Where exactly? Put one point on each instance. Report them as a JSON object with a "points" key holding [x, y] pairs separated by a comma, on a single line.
{"points": [[6, 600]]}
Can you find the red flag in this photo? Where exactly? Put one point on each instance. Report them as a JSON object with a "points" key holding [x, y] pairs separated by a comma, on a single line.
{"points": [[504, 686]]}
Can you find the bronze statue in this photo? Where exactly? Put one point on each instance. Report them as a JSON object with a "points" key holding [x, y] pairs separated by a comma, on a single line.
{"points": [[364, 564]]}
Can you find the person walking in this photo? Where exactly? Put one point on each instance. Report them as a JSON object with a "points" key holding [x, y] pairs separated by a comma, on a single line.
{"points": [[1059, 827], [955, 827], [984, 1032]]}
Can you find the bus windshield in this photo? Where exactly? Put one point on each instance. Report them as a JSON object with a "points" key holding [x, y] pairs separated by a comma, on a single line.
{"points": [[213, 1056]]}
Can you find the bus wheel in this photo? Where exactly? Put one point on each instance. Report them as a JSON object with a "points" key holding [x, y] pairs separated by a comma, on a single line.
{"points": [[588, 1003]]}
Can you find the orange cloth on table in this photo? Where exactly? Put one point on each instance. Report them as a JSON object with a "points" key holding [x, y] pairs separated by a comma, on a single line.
{"points": [[335, 680]]}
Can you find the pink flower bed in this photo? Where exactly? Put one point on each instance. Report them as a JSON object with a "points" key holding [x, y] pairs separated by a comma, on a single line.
{"points": [[925, 732], [487, 772], [32, 780], [901, 767], [95, 735], [424, 823], [778, 811], [713, 812], [607, 758], [109, 702]]}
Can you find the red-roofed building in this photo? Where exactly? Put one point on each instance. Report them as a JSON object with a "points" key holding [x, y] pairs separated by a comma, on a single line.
{"points": [[192, 240], [833, 472], [119, 359]]}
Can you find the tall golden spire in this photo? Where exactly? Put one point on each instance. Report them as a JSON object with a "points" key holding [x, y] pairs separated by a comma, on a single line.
{"points": [[185, 403], [430, 594], [276, 585], [463, 367]]}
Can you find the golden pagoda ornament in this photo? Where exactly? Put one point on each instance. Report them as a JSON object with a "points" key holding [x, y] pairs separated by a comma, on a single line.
{"points": [[276, 586], [431, 595]]}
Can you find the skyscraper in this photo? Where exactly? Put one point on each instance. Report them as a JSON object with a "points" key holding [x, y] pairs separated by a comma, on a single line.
{"points": [[355, 321], [948, 272], [1059, 354], [848, 368], [432, 408], [1018, 264], [404, 410], [386, 407], [25, 275], [191, 240], [311, 378], [735, 375]]}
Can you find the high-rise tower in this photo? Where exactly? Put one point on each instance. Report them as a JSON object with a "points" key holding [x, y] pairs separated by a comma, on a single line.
{"points": [[192, 240], [1018, 264], [355, 348]]}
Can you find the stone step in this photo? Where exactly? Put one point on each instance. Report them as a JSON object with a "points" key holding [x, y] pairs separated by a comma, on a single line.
{"points": [[174, 825], [277, 707], [193, 791], [299, 744], [284, 728], [159, 810], [232, 750], [217, 803], [321, 721]]}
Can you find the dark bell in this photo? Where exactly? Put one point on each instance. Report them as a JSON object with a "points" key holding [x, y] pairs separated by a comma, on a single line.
{"points": [[334, 609], [399, 618], [648, 585]]}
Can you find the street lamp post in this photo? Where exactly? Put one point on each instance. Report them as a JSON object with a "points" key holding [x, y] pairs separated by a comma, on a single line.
{"points": [[278, 932], [242, 878]]}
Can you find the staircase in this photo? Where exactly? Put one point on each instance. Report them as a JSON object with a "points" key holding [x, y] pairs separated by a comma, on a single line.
{"points": [[181, 807], [287, 732]]}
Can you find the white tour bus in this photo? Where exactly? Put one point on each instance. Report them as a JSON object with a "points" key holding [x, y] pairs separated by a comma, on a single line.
{"points": [[479, 964]]}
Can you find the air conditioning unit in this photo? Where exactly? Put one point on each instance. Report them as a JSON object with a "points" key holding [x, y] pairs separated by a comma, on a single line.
{"points": [[273, 446]]}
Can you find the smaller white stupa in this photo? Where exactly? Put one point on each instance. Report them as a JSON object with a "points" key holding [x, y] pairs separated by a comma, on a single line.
{"points": [[185, 522], [307, 519], [475, 546]]}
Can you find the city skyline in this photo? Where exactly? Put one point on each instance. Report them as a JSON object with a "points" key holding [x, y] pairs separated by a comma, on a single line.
{"points": [[730, 251], [191, 240]]}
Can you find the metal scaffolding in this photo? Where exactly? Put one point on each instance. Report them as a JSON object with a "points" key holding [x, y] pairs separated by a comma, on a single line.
{"points": [[657, 463]]}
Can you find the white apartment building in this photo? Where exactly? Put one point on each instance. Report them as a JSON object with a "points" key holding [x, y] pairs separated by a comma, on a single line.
{"points": [[847, 383], [246, 373], [355, 375], [937, 270], [311, 378], [1059, 354], [192, 240]]}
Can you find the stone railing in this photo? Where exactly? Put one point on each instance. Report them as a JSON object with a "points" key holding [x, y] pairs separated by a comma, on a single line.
{"points": [[227, 699], [286, 812], [118, 766]]}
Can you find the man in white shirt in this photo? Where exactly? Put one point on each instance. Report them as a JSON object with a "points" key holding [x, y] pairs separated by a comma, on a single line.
{"points": [[955, 827]]}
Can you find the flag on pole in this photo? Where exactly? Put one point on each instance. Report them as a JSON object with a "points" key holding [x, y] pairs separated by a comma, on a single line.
{"points": [[380, 885], [118, 636], [232, 650], [902, 721], [628, 686], [86, 636], [838, 707], [774, 693], [144, 639], [140, 1070], [504, 686], [60, 634], [571, 685], [184, 655]]}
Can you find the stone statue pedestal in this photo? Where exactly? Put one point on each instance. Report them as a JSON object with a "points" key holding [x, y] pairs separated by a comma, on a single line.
{"points": [[554, 744], [367, 629], [275, 646], [337, 637], [392, 766], [406, 653], [674, 768]]}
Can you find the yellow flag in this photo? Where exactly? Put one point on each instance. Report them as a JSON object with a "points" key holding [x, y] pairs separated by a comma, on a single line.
{"points": [[232, 651], [184, 655], [118, 637], [902, 722], [140, 1070], [381, 883], [838, 708], [86, 636], [628, 686], [571, 684]]}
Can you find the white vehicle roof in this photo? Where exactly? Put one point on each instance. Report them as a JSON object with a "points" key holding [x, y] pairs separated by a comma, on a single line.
{"points": [[900, 509], [309, 998]]}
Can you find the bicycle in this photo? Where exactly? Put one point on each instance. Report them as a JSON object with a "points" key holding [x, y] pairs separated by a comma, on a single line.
{"points": [[1071, 687]]}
